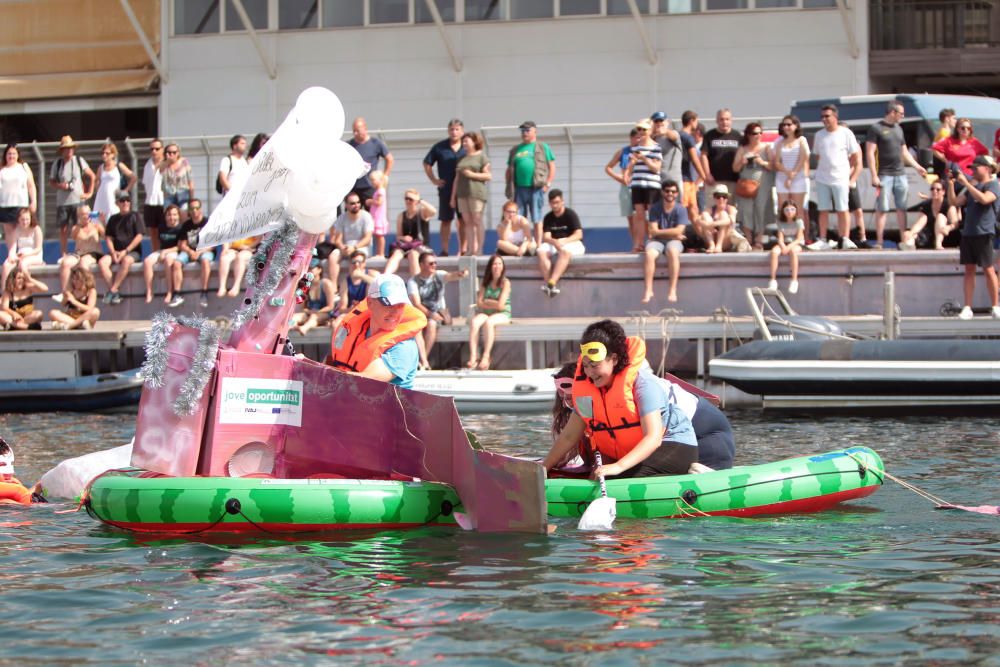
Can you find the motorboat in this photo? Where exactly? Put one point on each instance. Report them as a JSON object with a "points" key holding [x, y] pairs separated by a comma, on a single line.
{"points": [[82, 393], [803, 362], [496, 391]]}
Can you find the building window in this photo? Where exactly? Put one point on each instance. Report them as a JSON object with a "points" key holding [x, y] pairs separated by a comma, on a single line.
{"points": [[530, 9], [680, 6], [298, 14], [343, 13], [812, 4], [579, 7], [389, 11], [445, 7], [256, 12], [483, 10], [774, 4], [722, 5], [621, 8], [194, 17]]}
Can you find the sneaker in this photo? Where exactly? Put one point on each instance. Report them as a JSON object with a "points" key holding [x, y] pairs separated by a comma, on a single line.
{"points": [[545, 288], [847, 244], [554, 290], [176, 301], [772, 284], [203, 301], [116, 298], [907, 245], [819, 244], [965, 313], [995, 312], [58, 298], [58, 326], [108, 296], [793, 287]]}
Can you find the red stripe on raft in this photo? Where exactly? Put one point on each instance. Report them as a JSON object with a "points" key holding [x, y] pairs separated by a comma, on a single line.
{"points": [[260, 527], [802, 505]]}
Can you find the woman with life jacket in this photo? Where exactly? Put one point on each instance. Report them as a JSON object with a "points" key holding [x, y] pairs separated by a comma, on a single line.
{"points": [[11, 490], [376, 338], [622, 407]]}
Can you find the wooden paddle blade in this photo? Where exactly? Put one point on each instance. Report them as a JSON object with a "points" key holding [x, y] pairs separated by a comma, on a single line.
{"points": [[600, 515]]}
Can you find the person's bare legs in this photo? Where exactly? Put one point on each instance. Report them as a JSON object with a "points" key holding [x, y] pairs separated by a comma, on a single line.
{"points": [[674, 271], [969, 283], [879, 226], [563, 258], [544, 264], [491, 333], [475, 324], [793, 258], [824, 221], [392, 264], [225, 262], [66, 265], [445, 237], [648, 269], [240, 269], [774, 259], [148, 265], [844, 224]]}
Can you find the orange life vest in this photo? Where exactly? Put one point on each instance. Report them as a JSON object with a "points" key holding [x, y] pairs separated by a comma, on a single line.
{"points": [[14, 492], [354, 351], [612, 418]]}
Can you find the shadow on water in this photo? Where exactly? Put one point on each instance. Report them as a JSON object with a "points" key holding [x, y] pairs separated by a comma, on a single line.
{"points": [[885, 580]]}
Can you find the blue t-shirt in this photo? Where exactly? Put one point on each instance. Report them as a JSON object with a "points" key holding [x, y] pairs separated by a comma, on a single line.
{"points": [[650, 396], [688, 172], [446, 160], [402, 360], [370, 152], [668, 219], [980, 219]]}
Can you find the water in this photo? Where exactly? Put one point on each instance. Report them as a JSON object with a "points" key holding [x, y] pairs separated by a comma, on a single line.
{"points": [[886, 580]]}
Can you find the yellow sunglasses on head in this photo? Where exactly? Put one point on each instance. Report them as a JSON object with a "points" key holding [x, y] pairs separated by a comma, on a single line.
{"points": [[594, 351]]}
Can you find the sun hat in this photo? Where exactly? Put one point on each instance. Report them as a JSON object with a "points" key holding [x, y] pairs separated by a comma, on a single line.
{"points": [[721, 190], [985, 161], [67, 142], [643, 125]]}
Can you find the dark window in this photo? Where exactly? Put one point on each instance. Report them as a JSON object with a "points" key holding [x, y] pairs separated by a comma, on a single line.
{"points": [[725, 4], [531, 9], [390, 11], [298, 14], [256, 12], [343, 13], [483, 10], [771, 4], [445, 7], [680, 6], [195, 17], [579, 7], [621, 8]]}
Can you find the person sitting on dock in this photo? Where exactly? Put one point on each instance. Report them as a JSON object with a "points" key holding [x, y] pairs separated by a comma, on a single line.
{"points": [[667, 228], [981, 200], [791, 239], [124, 238], [515, 234], [622, 406], [492, 309], [718, 222], [562, 236], [943, 220], [187, 245], [79, 302], [377, 338], [170, 235], [17, 305], [426, 291]]}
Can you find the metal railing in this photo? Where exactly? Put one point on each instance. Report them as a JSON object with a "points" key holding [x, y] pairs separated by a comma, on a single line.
{"points": [[935, 24]]}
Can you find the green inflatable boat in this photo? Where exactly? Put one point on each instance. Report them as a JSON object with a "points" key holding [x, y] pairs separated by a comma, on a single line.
{"points": [[140, 501], [803, 484]]}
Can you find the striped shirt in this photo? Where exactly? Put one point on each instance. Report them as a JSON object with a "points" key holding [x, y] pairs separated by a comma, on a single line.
{"points": [[642, 175]]}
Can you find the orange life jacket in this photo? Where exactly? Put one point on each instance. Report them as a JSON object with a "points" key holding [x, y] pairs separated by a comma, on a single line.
{"points": [[612, 419], [354, 351], [14, 492]]}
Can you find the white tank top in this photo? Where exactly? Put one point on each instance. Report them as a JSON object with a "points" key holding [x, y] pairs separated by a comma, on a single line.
{"points": [[14, 186]]}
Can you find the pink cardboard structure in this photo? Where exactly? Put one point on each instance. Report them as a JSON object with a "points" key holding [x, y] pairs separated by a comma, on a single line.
{"points": [[264, 413]]}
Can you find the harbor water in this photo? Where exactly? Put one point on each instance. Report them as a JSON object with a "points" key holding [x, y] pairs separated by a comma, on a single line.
{"points": [[884, 580]]}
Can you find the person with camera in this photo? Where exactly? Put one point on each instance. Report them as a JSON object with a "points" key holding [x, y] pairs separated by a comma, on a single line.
{"points": [[753, 190], [981, 201]]}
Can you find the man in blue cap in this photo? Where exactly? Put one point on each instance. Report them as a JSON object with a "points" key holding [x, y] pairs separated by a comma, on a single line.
{"points": [[377, 337]]}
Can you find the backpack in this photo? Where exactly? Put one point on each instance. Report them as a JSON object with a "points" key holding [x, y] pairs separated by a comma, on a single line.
{"points": [[218, 177], [122, 180], [59, 165]]}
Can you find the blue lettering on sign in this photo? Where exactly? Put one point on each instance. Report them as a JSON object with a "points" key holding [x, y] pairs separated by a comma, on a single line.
{"points": [[275, 411]]}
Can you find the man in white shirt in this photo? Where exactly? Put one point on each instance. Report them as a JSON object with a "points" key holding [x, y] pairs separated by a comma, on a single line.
{"points": [[351, 231], [152, 209], [839, 156], [234, 166]]}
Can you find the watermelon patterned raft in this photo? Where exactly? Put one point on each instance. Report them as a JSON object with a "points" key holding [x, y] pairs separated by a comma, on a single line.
{"points": [[803, 484], [140, 501]]}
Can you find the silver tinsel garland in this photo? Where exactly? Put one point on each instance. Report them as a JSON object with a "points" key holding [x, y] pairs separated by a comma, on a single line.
{"points": [[286, 237], [155, 366]]}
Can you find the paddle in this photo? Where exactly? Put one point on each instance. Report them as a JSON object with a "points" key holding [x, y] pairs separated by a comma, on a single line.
{"points": [[601, 513]]}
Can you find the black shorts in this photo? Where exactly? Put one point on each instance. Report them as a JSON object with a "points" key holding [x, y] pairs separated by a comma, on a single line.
{"points": [[152, 215], [853, 199], [8, 214], [95, 255], [644, 196], [66, 215], [976, 250], [670, 458], [445, 212]]}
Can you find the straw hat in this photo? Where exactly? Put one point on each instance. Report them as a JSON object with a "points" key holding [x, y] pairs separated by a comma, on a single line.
{"points": [[67, 142]]}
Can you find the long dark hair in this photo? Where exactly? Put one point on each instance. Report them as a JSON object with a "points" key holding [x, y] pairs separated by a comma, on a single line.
{"points": [[745, 139], [257, 143], [781, 214], [612, 335], [561, 413], [488, 272]]}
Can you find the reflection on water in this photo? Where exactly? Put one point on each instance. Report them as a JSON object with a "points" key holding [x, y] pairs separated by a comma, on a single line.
{"points": [[885, 580]]}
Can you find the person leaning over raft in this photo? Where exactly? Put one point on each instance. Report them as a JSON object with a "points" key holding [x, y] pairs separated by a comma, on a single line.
{"points": [[376, 339], [624, 410]]}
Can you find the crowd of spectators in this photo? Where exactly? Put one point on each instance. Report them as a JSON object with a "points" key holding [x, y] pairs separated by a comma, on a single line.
{"points": [[682, 189]]}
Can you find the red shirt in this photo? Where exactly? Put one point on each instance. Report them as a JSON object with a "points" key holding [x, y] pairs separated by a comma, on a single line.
{"points": [[955, 151]]}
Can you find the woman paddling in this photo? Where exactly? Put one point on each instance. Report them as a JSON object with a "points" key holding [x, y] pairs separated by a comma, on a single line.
{"points": [[622, 407]]}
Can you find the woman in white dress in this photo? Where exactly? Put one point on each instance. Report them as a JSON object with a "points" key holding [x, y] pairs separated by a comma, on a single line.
{"points": [[109, 177], [791, 164], [17, 190]]}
